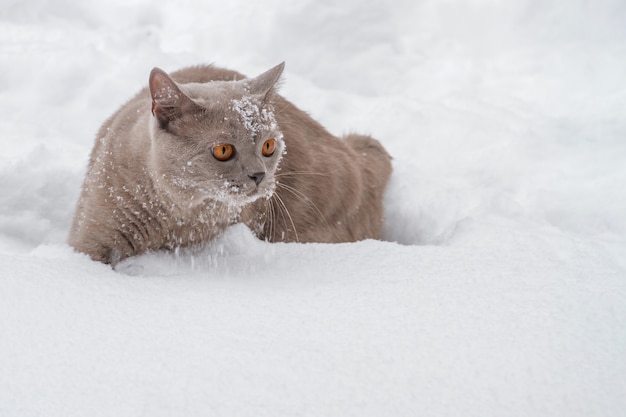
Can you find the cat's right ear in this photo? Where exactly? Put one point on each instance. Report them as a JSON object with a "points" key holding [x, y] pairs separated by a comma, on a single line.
{"points": [[168, 101]]}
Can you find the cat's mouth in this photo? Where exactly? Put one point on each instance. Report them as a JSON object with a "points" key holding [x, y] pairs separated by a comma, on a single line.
{"points": [[236, 194]]}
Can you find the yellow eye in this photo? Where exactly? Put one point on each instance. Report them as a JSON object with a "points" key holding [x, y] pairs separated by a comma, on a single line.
{"points": [[223, 152], [268, 147]]}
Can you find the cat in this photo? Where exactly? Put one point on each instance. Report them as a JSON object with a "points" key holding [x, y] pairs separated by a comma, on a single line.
{"points": [[204, 148]]}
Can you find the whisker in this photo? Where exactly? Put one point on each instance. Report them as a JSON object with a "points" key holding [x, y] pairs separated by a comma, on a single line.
{"points": [[269, 220], [286, 211], [298, 173], [274, 217], [306, 200], [282, 214]]}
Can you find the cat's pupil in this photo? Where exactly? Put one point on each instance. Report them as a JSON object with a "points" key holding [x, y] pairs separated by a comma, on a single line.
{"points": [[268, 147], [223, 152]]}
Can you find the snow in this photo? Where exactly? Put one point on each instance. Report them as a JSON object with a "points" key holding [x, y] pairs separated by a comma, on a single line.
{"points": [[249, 113], [500, 287]]}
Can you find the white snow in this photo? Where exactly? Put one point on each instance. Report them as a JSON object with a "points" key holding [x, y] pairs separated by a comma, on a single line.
{"points": [[500, 288], [254, 119]]}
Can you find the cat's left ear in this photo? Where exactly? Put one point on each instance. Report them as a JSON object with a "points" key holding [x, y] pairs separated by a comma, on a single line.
{"points": [[266, 82], [168, 100]]}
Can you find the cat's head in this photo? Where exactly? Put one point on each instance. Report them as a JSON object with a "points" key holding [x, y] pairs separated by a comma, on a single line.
{"points": [[217, 140]]}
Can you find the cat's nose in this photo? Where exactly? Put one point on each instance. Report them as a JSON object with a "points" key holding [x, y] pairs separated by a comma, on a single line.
{"points": [[257, 177]]}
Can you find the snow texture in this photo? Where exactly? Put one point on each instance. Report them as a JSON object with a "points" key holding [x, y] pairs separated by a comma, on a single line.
{"points": [[255, 119], [500, 287]]}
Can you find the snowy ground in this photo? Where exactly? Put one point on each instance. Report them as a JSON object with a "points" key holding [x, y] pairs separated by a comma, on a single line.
{"points": [[500, 289]]}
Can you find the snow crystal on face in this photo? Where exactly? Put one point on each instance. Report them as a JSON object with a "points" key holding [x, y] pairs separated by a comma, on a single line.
{"points": [[254, 118]]}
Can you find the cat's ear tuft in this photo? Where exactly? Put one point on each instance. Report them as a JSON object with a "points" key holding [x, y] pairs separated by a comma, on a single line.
{"points": [[266, 82], [168, 100]]}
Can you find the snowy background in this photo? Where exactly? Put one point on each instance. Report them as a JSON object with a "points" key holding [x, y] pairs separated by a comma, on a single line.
{"points": [[500, 288]]}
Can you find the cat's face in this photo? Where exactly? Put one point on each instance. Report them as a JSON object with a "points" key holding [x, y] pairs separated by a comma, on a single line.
{"points": [[217, 140]]}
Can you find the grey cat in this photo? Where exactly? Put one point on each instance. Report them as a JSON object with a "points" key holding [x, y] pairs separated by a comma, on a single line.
{"points": [[205, 148]]}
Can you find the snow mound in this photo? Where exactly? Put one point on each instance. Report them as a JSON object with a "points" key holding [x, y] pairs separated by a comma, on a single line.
{"points": [[236, 252]]}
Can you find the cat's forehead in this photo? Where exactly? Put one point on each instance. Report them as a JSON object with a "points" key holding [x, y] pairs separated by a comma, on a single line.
{"points": [[216, 95], [230, 102]]}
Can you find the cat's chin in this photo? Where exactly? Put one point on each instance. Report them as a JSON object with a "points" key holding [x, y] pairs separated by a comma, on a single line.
{"points": [[239, 200]]}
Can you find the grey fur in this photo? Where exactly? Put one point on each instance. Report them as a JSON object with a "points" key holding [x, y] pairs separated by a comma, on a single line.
{"points": [[153, 182]]}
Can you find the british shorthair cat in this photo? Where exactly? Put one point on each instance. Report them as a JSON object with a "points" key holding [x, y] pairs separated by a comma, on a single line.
{"points": [[204, 148]]}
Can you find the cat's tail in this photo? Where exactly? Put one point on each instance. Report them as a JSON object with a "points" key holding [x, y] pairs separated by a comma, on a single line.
{"points": [[374, 160]]}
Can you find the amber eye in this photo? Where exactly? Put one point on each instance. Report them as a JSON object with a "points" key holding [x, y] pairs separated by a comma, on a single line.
{"points": [[223, 152], [268, 147]]}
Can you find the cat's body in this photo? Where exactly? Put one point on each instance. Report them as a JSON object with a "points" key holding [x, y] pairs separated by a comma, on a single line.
{"points": [[182, 161]]}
